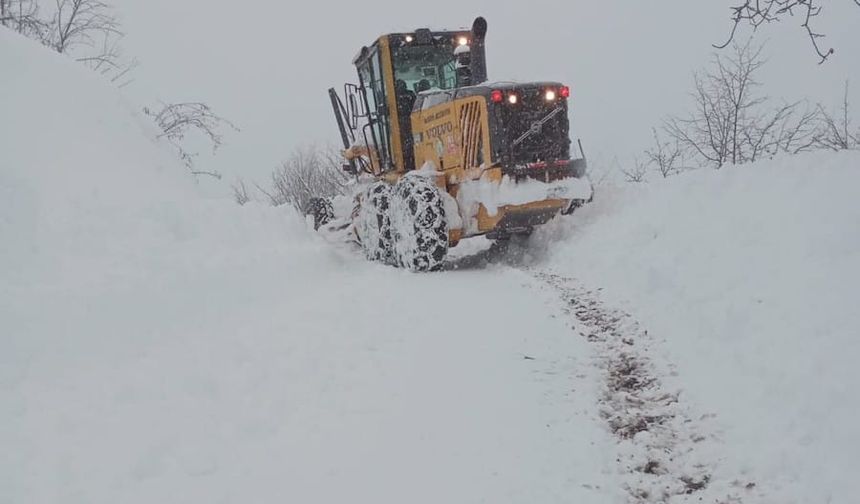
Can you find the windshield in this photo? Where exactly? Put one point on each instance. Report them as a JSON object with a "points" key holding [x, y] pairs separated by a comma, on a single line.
{"points": [[425, 67]]}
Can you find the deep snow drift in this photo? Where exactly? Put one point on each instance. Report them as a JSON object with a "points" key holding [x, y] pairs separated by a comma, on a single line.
{"points": [[751, 275]]}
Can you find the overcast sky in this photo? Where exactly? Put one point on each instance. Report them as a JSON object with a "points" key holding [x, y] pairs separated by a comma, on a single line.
{"points": [[266, 64]]}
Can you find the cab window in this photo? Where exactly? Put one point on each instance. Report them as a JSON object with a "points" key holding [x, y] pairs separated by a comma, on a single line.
{"points": [[370, 73], [426, 67]]}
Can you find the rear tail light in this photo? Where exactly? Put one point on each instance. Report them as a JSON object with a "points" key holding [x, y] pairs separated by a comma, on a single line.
{"points": [[564, 92], [499, 96]]}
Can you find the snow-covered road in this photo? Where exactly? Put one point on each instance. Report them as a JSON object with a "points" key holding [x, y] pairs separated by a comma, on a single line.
{"points": [[242, 376], [301, 372], [697, 334]]}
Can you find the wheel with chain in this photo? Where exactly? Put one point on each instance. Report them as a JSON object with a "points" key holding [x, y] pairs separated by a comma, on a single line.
{"points": [[321, 210], [373, 225], [418, 223]]}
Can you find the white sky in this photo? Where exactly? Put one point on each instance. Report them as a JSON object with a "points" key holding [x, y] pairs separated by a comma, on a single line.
{"points": [[266, 64]]}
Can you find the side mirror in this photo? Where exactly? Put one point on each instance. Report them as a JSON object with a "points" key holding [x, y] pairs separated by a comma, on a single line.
{"points": [[354, 103], [463, 66], [353, 110]]}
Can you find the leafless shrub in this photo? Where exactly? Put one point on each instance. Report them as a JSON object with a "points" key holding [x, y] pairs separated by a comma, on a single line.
{"points": [[110, 61], [177, 120], [240, 192], [23, 17], [310, 172], [731, 124], [637, 173], [86, 30], [757, 13], [835, 128], [665, 157], [81, 23]]}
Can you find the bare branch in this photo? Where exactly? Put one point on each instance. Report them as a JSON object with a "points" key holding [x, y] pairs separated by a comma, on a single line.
{"points": [[23, 17], [79, 23], [835, 128], [84, 29], [212, 174], [274, 199], [240, 192], [756, 13], [177, 120]]}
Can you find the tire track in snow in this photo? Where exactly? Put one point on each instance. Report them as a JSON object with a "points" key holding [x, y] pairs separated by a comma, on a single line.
{"points": [[666, 453]]}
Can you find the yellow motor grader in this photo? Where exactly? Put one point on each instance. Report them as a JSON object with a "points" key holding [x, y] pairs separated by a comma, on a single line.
{"points": [[441, 154]]}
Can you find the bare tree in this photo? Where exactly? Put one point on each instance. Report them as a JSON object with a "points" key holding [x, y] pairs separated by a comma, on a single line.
{"points": [[835, 130], [757, 13], [309, 173], [177, 120], [23, 17], [81, 23], [240, 193], [90, 32], [665, 156], [730, 123], [723, 100]]}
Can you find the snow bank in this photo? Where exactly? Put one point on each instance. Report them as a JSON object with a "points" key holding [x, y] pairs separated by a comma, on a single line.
{"points": [[109, 261], [752, 276], [74, 158]]}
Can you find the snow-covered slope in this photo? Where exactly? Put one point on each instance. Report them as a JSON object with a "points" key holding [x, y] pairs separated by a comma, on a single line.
{"points": [[751, 275], [159, 347]]}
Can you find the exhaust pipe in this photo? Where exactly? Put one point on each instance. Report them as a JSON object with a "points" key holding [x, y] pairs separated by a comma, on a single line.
{"points": [[478, 51]]}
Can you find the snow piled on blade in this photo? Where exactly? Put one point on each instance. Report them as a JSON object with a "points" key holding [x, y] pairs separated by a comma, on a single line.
{"points": [[509, 192], [751, 275]]}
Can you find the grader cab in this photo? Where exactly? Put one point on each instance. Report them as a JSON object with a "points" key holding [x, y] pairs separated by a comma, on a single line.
{"points": [[441, 154]]}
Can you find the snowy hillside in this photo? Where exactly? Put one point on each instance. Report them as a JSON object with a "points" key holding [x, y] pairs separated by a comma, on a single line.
{"points": [[750, 276], [684, 341]]}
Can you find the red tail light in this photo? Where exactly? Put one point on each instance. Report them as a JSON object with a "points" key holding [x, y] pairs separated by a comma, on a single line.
{"points": [[564, 92], [497, 96]]}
